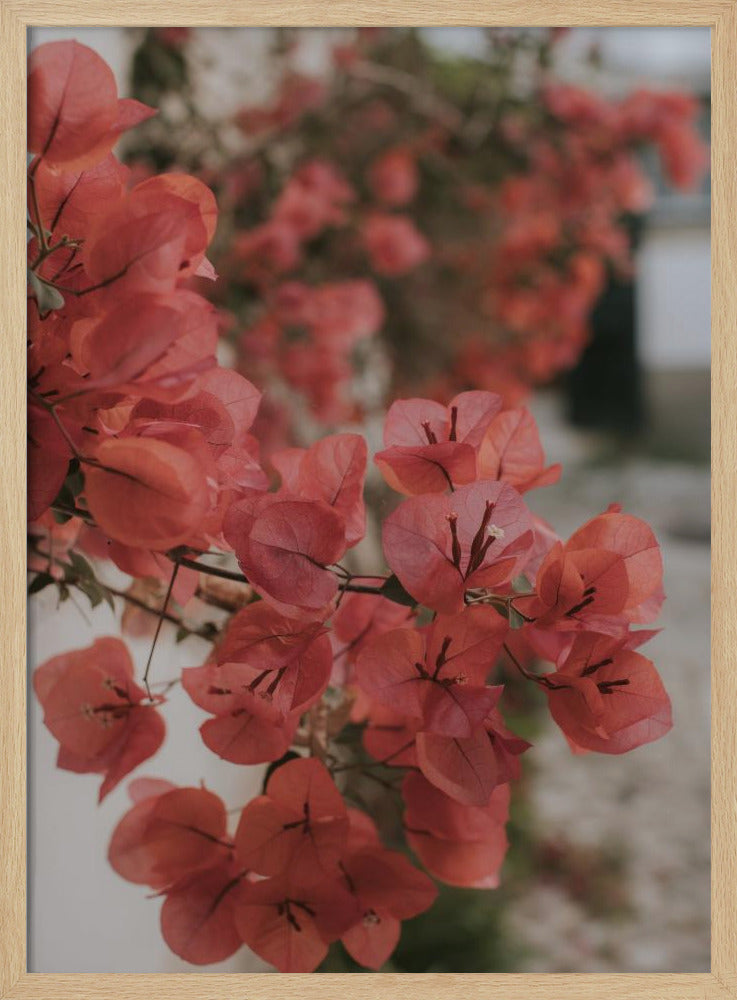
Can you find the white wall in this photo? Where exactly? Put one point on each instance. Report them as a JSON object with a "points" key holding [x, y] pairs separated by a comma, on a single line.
{"points": [[673, 299]]}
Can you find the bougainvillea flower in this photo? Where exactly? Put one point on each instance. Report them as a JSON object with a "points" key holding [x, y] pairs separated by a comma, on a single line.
{"points": [[438, 678], [346, 312], [511, 452], [48, 461], [192, 190], [201, 410], [459, 844], [468, 769], [243, 737], [168, 834], [607, 698], [427, 807], [390, 736], [198, 915], [142, 244], [246, 728], [332, 470], [96, 711], [439, 547], [412, 422], [74, 115], [428, 447], [146, 493], [265, 251], [222, 410], [634, 541], [127, 341], [387, 889], [239, 397], [465, 768], [69, 201], [430, 468], [258, 636], [362, 831], [269, 670], [284, 546], [358, 619], [314, 198], [152, 346], [338, 314], [300, 823], [290, 924], [190, 357], [609, 573], [393, 177], [272, 695], [433, 717], [574, 591], [394, 244]]}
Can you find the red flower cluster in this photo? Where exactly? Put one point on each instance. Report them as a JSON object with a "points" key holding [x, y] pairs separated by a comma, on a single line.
{"points": [[301, 872], [306, 333], [141, 444], [97, 712], [451, 551], [526, 234], [122, 371], [561, 222]]}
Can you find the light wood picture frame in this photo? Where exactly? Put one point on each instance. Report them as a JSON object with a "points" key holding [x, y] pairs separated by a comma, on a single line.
{"points": [[16, 16]]}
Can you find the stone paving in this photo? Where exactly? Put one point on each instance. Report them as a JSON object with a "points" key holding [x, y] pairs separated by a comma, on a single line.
{"points": [[650, 806]]}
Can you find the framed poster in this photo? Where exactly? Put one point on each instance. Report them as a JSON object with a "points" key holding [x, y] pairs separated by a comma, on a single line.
{"points": [[203, 555]]}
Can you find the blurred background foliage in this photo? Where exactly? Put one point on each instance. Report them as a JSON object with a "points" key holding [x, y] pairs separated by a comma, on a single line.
{"points": [[477, 212]]}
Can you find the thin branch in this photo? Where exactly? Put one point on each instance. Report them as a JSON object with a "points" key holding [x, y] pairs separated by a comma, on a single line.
{"points": [[34, 198], [380, 781], [203, 632], [423, 99], [528, 675], [361, 766], [158, 627], [229, 574]]}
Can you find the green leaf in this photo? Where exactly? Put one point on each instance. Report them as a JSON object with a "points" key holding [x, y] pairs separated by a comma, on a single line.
{"points": [[81, 567], [39, 582], [515, 618], [47, 297], [80, 574], [393, 590], [90, 590], [75, 479]]}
